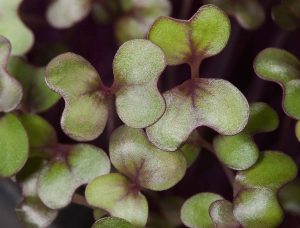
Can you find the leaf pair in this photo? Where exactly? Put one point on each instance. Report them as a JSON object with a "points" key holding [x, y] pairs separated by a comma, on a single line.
{"points": [[145, 167], [280, 66], [12, 27], [137, 66], [240, 151], [249, 13]]}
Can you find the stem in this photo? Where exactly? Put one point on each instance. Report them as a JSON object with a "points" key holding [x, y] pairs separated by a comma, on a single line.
{"points": [[208, 146], [186, 8], [194, 65], [80, 200]]}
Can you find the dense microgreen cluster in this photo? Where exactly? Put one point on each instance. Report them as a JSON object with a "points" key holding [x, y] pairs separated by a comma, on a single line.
{"points": [[158, 139]]}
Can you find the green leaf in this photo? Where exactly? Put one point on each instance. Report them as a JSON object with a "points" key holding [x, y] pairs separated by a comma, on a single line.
{"points": [[10, 89], [298, 130], [13, 28], [282, 67], [238, 152], [263, 118], [73, 167], [32, 213], [204, 35], [60, 15], [221, 213], [40, 133], [99, 213], [86, 110], [195, 210], [249, 13], [112, 222], [37, 97], [137, 67], [273, 170], [215, 103], [191, 149], [115, 194], [13, 145], [257, 208], [147, 166], [289, 197]]}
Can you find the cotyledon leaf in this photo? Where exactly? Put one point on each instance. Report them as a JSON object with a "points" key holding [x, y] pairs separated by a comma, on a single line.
{"points": [[71, 169], [282, 67], [63, 14], [221, 213], [12, 27], [37, 97], [249, 13], [115, 194], [257, 207], [10, 89], [13, 145], [204, 35], [195, 210], [273, 170], [215, 103], [147, 166], [191, 149], [86, 109], [112, 222], [137, 67]]}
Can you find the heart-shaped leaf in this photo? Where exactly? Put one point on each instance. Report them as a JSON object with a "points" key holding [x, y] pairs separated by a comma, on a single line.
{"points": [[86, 110], [147, 166], [115, 194], [257, 208], [195, 210], [273, 170], [238, 152], [289, 197], [37, 97], [249, 13], [12, 27], [221, 213], [204, 35], [111, 222], [298, 130], [215, 103], [137, 67], [65, 13], [13, 145], [282, 67], [286, 15], [73, 167], [191, 149], [40, 134], [10, 89], [138, 18]]}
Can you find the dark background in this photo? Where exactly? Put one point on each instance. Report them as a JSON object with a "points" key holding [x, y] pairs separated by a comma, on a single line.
{"points": [[96, 43]]}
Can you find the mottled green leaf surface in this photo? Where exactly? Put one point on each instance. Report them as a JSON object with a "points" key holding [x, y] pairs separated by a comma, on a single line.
{"points": [[63, 14], [195, 210], [289, 197], [249, 13], [12, 27], [137, 67], [273, 170], [199, 102], [74, 166], [257, 208], [10, 89], [115, 194], [86, 109], [204, 35], [37, 97], [221, 213], [13, 145], [112, 222], [282, 67], [147, 166], [191, 149]]}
